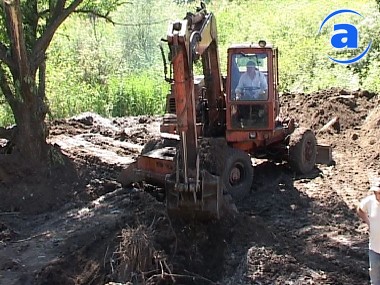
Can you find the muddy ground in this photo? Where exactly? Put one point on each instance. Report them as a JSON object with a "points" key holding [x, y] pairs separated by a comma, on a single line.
{"points": [[75, 224]]}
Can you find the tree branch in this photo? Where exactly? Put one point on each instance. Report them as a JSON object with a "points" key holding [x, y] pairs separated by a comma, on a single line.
{"points": [[58, 8], [43, 13], [84, 11], [5, 88], [4, 57], [59, 14], [43, 42], [16, 32], [141, 24]]}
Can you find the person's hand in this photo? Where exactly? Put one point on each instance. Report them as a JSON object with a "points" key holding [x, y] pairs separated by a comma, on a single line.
{"points": [[233, 109], [264, 94]]}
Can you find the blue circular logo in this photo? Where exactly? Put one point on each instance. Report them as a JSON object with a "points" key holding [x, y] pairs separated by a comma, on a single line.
{"points": [[347, 36]]}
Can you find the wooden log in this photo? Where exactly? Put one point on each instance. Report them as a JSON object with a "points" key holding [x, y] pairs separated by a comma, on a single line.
{"points": [[330, 124]]}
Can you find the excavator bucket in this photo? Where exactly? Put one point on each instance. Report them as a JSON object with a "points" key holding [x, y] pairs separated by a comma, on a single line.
{"points": [[158, 167], [206, 203]]}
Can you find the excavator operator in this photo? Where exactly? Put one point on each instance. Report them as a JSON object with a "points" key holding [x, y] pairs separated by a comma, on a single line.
{"points": [[252, 84]]}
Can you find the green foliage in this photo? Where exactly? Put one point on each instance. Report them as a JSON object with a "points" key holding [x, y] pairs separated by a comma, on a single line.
{"points": [[292, 26], [143, 24], [6, 116], [116, 70], [101, 6], [40, 20], [131, 95], [368, 68], [138, 95], [104, 74]]}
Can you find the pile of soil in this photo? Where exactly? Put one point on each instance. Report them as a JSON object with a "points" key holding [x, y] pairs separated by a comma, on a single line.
{"points": [[75, 224]]}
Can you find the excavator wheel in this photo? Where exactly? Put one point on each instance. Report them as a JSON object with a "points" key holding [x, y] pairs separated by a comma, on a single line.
{"points": [[302, 150], [237, 174]]}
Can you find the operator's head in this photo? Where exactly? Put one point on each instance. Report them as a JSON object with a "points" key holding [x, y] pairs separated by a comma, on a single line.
{"points": [[250, 66]]}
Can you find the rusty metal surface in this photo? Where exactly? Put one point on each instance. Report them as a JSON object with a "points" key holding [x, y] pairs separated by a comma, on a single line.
{"points": [[151, 167]]}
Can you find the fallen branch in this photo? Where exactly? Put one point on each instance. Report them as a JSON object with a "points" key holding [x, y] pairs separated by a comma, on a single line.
{"points": [[342, 97], [9, 213], [331, 123], [193, 277], [200, 277], [32, 237]]}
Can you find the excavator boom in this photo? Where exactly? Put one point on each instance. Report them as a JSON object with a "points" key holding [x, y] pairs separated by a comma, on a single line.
{"points": [[190, 189]]}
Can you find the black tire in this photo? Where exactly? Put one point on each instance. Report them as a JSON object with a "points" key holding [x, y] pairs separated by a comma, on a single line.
{"points": [[237, 174], [302, 150]]}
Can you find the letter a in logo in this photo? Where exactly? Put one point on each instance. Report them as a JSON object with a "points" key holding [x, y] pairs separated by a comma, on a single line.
{"points": [[347, 39]]}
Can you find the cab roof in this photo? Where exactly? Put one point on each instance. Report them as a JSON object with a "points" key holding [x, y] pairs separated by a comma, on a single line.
{"points": [[250, 45]]}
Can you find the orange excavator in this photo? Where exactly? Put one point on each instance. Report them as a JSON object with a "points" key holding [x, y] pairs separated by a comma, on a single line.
{"points": [[214, 125]]}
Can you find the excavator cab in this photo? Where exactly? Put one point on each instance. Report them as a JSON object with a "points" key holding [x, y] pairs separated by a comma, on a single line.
{"points": [[252, 104]]}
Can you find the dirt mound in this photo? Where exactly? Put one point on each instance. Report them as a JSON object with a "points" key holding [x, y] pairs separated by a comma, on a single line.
{"points": [[85, 147], [98, 251], [372, 121], [358, 116], [35, 190], [369, 139], [316, 109]]}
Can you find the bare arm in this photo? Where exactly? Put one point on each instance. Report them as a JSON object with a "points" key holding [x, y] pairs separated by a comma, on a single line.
{"points": [[239, 87], [263, 82], [363, 215]]}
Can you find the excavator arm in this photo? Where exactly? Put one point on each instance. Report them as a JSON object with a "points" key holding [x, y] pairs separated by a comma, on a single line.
{"points": [[189, 40], [190, 189]]}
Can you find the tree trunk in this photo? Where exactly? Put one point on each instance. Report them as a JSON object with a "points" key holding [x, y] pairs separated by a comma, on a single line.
{"points": [[28, 99], [31, 132], [30, 135], [28, 138]]}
